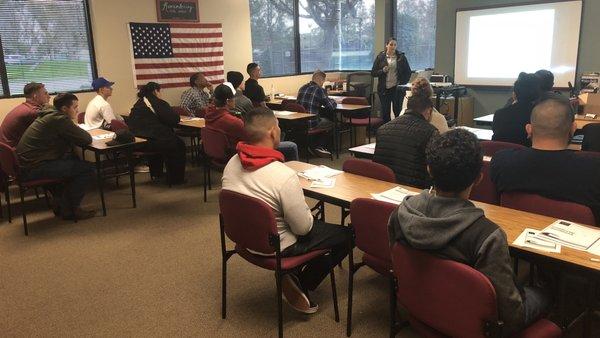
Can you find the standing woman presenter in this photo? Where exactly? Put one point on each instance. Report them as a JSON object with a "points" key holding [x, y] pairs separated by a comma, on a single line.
{"points": [[392, 69]]}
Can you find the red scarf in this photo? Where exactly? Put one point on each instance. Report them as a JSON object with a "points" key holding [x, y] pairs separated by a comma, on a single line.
{"points": [[255, 157]]}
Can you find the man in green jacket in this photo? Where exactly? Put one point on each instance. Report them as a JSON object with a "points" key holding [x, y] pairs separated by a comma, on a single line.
{"points": [[45, 152]]}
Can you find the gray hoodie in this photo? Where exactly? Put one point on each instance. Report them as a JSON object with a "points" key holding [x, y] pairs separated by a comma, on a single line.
{"points": [[455, 229]]}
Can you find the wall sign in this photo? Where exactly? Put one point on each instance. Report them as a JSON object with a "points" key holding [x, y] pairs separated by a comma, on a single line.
{"points": [[177, 10]]}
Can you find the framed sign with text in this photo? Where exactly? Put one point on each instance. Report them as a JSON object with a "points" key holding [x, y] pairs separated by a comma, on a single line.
{"points": [[177, 10]]}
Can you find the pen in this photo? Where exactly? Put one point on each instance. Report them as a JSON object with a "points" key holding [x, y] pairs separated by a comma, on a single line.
{"points": [[547, 245]]}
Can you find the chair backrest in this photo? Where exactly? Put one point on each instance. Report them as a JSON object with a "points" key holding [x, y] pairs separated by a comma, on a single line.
{"points": [[545, 206], [181, 111], [485, 191], [116, 125], [9, 161], [293, 106], [248, 221], [369, 220], [491, 147], [369, 169], [359, 84], [452, 298], [81, 118], [591, 137], [215, 144], [355, 100]]}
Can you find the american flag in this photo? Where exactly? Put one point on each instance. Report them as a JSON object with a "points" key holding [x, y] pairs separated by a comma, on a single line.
{"points": [[170, 53]]}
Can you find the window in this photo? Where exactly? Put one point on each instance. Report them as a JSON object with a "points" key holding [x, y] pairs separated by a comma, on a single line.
{"points": [[415, 30], [46, 41], [332, 35], [273, 36]]}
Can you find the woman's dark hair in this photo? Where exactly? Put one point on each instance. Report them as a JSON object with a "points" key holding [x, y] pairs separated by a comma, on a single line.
{"points": [[222, 94], [64, 100], [527, 87], [390, 39], [148, 89], [454, 159], [419, 103]]}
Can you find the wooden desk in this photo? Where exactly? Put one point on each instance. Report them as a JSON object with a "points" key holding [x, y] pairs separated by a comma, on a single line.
{"points": [[485, 120], [365, 151], [196, 123], [349, 187], [99, 147], [582, 121]]}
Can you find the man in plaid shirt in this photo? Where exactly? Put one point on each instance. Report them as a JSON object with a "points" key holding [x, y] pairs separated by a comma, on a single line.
{"points": [[195, 100], [314, 99]]}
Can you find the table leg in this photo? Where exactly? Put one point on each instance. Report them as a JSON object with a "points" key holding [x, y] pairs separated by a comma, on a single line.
{"points": [[336, 139], [100, 181], [129, 154], [456, 96]]}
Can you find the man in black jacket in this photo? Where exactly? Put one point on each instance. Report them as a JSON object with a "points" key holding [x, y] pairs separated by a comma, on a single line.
{"points": [[252, 89], [401, 143], [509, 122], [445, 223]]}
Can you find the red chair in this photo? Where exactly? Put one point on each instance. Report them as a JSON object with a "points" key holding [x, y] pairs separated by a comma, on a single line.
{"points": [[545, 206], [116, 125], [449, 299], [9, 163], [181, 111], [369, 222], [369, 169], [485, 191], [81, 118], [291, 105], [250, 224], [361, 121], [491, 147], [217, 153]]}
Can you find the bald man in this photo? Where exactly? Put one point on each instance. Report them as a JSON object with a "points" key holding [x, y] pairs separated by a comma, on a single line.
{"points": [[548, 168]]}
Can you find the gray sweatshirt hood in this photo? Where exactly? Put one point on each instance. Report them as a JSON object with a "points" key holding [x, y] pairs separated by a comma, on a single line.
{"points": [[431, 222]]}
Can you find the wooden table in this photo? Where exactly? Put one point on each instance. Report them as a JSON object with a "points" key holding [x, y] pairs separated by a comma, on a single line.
{"points": [[580, 120], [296, 127], [99, 147], [486, 120], [196, 123]]}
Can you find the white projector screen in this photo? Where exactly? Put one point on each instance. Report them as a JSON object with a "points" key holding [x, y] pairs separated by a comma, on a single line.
{"points": [[494, 45]]}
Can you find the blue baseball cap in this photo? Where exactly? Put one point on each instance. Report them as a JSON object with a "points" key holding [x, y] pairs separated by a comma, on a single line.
{"points": [[101, 82]]}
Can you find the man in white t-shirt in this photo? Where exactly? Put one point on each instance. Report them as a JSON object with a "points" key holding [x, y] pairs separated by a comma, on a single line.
{"points": [[99, 113]]}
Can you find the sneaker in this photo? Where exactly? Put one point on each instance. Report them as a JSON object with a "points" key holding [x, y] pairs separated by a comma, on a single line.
{"points": [[79, 214], [294, 296], [322, 152]]}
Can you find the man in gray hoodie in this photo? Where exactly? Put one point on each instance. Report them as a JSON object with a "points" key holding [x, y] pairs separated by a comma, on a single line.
{"points": [[444, 222]]}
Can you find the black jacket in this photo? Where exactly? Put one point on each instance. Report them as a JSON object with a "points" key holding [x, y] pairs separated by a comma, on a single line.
{"points": [[401, 146], [509, 123], [402, 70], [157, 124]]}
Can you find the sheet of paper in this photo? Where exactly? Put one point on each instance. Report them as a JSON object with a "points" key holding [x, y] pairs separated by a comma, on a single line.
{"points": [[379, 197], [106, 136], [395, 195], [323, 183], [370, 145], [570, 234], [528, 239], [319, 172], [595, 248], [85, 127], [283, 112]]}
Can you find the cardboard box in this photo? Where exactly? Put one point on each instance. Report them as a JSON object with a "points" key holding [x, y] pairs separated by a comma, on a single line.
{"points": [[590, 102]]}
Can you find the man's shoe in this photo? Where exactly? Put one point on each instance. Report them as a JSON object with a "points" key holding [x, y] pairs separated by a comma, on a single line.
{"points": [[79, 214], [294, 296], [322, 152]]}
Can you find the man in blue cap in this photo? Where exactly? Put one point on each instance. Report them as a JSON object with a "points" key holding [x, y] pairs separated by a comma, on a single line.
{"points": [[99, 113]]}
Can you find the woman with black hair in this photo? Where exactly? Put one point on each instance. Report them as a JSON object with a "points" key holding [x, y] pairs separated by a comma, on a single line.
{"points": [[392, 69], [153, 119]]}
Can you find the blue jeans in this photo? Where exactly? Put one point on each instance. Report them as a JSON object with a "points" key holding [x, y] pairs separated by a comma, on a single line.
{"points": [[77, 173], [537, 302], [289, 150]]}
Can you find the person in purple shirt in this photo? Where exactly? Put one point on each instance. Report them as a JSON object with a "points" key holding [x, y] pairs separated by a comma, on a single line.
{"points": [[18, 120]]}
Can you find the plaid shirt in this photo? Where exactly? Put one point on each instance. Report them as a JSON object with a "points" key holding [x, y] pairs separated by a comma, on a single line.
{"points": [[313, 97], [194, 100]]}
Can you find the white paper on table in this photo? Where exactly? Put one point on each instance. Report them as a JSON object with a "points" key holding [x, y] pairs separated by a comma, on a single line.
{"points": [[85, 127], [370, 145], [595, 248], [104, 136], [379, 197], [570, 234], [395, 195], [528, 239], [323, 183], [319, 172], [283, 112]]}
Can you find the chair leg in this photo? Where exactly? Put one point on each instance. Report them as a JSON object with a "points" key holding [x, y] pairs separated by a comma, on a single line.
{"points": [[350, 291], [205, 180], [393, 325], [279, 303], [22, 193], [334, 295], [7, 197], [37, 193], [224, 289], [46, 198]]}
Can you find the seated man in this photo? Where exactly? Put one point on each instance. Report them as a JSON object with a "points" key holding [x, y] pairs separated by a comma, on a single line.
{"points": [[221, 118], [17, 120], [401, 143], [509, 122], [445, 223], [314, 99], [196, 99], [252, 89], [257, 171], [99, 113], [242, 104], [46, 152], [549, 168]]}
